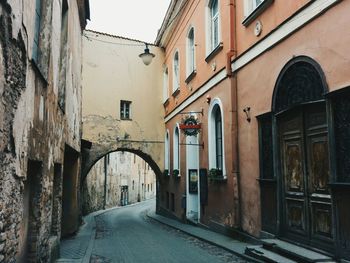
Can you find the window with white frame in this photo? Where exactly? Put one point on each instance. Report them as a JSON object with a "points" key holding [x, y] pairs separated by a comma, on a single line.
{"points": [[190, 52], [251, 5], [166, 154], [214, 23], [125, 110], [216, 137], [176, 150], [165, 84], [176, 71]]}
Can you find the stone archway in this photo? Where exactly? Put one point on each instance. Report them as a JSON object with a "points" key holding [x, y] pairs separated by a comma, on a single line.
{"points": [[91, 155]]}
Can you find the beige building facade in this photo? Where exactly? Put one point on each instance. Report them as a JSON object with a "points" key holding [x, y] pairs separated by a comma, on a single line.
{"points": [[121, 98], [118, 179]]}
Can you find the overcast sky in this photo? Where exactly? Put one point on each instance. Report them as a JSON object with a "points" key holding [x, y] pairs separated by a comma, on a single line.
{"points": [[137, 19]]}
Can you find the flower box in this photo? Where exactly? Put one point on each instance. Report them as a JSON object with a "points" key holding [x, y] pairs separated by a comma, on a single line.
{"points": [[176, 173]]}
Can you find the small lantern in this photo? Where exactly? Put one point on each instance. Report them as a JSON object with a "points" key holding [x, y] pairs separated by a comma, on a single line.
{"points": [[147, 56]]}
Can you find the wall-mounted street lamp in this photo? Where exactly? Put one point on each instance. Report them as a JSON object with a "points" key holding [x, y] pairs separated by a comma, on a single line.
{"points": [[147, 56], [247, 113]]}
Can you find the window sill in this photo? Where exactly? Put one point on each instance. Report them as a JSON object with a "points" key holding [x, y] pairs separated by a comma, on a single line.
{"points": [[166, 102], [215, 51], [125, 119], [256, 12], [219, 179], [191, 76], [176, 92]]}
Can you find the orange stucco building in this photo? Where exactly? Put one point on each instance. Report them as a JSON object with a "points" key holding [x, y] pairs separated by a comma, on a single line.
{"points": [[269, 85]]}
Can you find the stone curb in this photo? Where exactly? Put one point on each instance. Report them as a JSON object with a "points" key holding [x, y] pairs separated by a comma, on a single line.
{"points": [[151, 216]]}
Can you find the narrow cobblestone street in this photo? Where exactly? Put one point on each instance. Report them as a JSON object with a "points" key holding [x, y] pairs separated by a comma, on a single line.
{"points": [[127, 234]]}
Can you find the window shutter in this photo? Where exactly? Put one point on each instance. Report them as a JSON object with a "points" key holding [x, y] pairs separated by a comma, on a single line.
{"points": [[36, 30]]}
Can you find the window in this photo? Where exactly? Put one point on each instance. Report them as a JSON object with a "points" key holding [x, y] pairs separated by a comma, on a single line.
{"points": [[190, 52], [166, 153], [125, 110], [214, 23], [256, 3], [41, 31], [165, 85], [63, 56], [35, 55], [176, 72], [176, 152], [253, 8], [133, 184], [216, 137]]}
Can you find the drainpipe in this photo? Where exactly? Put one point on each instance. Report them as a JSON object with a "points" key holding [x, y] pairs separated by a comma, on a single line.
{"points": [[235, 146], [231, 52]]}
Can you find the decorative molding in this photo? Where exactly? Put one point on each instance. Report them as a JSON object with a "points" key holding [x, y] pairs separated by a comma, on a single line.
{"points": [[290, 26], [220, 76]]}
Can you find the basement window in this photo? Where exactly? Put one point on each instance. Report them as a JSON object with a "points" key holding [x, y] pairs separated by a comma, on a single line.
{"points": [[125, 110]]}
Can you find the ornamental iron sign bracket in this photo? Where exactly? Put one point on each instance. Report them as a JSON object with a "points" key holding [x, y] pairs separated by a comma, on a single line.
{"points": [[190, 125]]}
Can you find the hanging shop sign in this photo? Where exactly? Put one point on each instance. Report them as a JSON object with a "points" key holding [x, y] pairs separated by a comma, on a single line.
{"points": [[190, 126]]}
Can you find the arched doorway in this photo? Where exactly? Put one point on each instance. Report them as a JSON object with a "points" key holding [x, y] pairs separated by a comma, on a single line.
{"points": [[301, 154]]}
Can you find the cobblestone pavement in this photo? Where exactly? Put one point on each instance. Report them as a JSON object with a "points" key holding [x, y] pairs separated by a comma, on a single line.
{"points": [[222, 254], [128, 235]]}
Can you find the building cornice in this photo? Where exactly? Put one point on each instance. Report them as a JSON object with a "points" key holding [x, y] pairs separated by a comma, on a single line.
{"points": [[170, 21], [293, 24]]}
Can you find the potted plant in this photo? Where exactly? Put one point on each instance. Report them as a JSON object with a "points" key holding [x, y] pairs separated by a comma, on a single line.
{"points": [[166, 172], [215, 174], [176, 172]]}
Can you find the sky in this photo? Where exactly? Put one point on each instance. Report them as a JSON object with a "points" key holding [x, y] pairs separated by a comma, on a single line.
{"points": [[136, 19]]}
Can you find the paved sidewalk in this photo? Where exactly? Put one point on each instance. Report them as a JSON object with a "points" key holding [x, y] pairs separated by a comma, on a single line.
{"points": [[225, 242], [78, 248]]}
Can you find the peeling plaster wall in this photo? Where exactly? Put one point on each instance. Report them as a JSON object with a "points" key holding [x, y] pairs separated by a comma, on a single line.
{"points": [[33, 130], [113, 70], [123, 169]]}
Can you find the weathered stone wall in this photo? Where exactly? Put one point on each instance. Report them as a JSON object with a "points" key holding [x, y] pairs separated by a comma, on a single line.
{"points": [[33, 129], [123, 169]]}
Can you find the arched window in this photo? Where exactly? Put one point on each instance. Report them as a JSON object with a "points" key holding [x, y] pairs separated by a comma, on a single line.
{"points": [[176, 71], [216, 137], [176, 149], [166, 153], [190, 52]]}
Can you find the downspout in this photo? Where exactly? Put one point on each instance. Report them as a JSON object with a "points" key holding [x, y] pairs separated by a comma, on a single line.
{"points": [[231, 52], [235, 150]]}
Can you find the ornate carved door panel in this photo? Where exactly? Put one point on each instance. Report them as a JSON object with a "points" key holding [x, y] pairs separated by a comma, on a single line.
{"points": [[295, 216], [320, 203], [307, 210]]}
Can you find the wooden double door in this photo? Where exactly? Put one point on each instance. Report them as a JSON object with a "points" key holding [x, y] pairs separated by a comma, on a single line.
{"points": [[306, 198]]}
